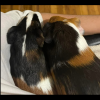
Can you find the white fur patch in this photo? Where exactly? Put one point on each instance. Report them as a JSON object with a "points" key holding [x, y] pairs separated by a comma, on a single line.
{"points": [[29, 19], [73, 26], [44, 85], [81, 42], [40, 18], [30, 16], [24, 46], [22, 78]]}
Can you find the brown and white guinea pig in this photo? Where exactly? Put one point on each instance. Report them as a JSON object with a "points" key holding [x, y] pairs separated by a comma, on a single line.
{"points": [[74, 67], [27, 61]]}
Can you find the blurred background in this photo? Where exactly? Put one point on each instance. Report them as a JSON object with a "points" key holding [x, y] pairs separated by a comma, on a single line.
{"points": [[58, 9]]}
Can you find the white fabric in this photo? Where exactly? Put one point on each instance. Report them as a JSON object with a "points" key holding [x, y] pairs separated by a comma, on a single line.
{"points": [[7, 88], [96, 50], [9, 19]]}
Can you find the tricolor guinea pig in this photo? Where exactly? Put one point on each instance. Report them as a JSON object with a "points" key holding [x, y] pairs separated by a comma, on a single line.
{"points": [[73, 65], [27, 61]]}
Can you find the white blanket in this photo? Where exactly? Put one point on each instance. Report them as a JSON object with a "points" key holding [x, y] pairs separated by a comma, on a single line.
{"points": [[8, 20]]}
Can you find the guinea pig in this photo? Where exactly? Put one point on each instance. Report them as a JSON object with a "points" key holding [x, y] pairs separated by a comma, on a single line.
{"points": [[73, 65], [27, 61]]}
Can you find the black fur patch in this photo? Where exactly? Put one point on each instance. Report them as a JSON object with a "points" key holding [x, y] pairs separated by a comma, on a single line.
{"points": [[62, 39]]}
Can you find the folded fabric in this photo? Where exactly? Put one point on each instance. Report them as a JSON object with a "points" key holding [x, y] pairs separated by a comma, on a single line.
{"points": [[96, 50]]}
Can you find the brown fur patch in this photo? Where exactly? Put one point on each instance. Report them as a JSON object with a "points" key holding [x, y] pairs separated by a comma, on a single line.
{"points": [[75, 21], [56, 18], [22, 85], [84, 58], [32, 55]]}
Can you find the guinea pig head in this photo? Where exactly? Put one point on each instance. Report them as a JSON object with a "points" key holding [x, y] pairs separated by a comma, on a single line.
{"points": [[65, 37]]}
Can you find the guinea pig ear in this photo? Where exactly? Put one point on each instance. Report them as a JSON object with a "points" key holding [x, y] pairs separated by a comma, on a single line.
{"points": [[48, 39], [47, 32], [35, 21], [11, 34], [35, 18]]}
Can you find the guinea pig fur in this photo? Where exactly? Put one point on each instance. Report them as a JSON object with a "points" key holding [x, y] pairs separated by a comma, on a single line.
{"points": [[27, 61], [74, 67]]}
